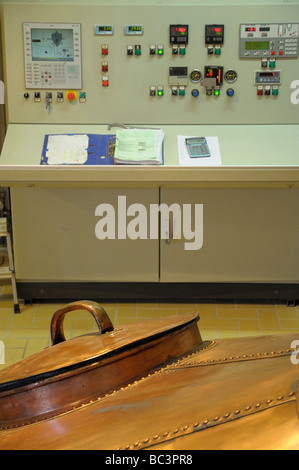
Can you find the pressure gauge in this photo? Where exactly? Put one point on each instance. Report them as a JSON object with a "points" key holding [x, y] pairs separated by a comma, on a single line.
{"points": [[230, 76], [195, 76]]}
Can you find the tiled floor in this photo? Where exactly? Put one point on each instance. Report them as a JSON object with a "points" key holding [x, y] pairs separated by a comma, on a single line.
{"points": [[29, 332]]}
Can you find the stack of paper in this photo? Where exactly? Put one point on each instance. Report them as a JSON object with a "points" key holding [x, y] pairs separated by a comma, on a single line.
{"points": [[67, 149], [139, 146]]}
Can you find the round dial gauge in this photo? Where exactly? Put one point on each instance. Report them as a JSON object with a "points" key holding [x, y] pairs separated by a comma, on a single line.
{"points": [[230, 76], [195, 76]]}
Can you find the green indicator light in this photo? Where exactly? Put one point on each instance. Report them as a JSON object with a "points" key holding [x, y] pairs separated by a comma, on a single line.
{"points": [[275, 92], [181, 92], [160, 51], [160, 92], [216, 92]]}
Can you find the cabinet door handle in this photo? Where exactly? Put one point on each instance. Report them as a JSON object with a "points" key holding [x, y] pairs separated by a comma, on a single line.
{"points": [[170, 226]]}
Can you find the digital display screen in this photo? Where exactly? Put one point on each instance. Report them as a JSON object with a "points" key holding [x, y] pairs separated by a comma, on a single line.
{"points": [[105, 28], [52, 44], [256, 45], [133, 29], [250, 29], [215, 30], [179, 30], [266, 74], [214, 72]]}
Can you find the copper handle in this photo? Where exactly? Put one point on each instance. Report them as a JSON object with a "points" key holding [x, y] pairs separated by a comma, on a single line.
{"points": [[99, 314]]}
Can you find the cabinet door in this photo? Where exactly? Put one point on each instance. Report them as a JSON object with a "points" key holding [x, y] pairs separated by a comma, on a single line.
{"points": [[249, 235], [55, 236]]}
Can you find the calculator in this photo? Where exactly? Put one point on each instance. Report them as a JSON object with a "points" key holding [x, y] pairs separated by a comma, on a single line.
{"points": [[197, 147]]}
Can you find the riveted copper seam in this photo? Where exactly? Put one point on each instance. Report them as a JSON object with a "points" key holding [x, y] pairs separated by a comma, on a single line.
{"points": [[197, 426]]}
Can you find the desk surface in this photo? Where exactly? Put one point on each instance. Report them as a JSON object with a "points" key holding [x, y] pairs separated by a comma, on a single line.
{"points": [[251, 154]]}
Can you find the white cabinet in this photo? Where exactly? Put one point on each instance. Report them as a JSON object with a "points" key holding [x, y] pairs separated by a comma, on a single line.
{"points": [[55, 236], [249, 235]]}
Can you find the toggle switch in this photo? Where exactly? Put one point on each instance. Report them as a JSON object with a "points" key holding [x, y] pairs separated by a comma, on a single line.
{"points": [[129, 50], [60, 96]]}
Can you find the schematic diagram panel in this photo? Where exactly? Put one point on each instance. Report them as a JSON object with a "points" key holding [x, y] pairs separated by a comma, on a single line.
{"points": [[191, 64]]}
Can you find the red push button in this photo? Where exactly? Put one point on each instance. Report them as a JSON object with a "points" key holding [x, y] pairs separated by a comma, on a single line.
{"points": [[105, 81], [71, 95], [104, 49], [260, 91], [280, 52]]}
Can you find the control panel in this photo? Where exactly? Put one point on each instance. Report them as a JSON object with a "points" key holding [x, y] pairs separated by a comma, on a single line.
{"points": [[269, 40], [151, 63]]}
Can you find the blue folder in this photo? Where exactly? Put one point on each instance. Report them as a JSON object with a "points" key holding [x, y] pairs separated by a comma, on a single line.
{"points": [[100, 150]]}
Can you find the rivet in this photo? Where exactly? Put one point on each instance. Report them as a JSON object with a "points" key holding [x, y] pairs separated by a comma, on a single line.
{"points": [[280, 398], [205, 422], [216, 418], [195, 425], [237, 412], [291, 394], [145, 440], [156, 437], [257, 405], [268, 401], [175, 431], [226, 415], [165, 434], [248, 408]]}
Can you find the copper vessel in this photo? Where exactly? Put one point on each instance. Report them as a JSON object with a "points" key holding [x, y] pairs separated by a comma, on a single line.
{"points": [[152, 385]]}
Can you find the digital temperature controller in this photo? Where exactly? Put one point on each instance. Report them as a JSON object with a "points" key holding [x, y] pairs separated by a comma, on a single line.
{"points": [[214, 34], [178, 34]]}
